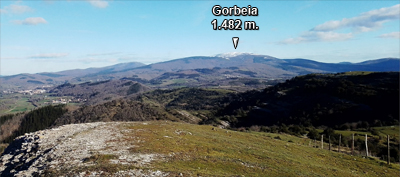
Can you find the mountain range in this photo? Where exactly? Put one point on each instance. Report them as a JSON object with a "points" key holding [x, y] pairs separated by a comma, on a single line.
{"points": [[209, 70]]}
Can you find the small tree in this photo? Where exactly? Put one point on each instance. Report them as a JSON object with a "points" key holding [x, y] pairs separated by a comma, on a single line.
{"points": [[365, 124], [313, 134], [329, 132], [344, 127], [284, 129], [297, 130]]}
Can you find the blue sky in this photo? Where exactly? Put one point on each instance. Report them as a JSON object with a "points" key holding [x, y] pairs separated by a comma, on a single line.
{"points": [[47, 36]]}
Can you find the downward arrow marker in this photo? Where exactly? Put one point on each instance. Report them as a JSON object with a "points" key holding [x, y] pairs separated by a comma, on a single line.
{"points": [[235, 41]]}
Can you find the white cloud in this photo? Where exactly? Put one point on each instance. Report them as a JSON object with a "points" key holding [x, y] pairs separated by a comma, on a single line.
{"points": [[16, 9], [50, 55], [30, 21], [365, 22], [317, 36], [390, 35], [99, 3]]}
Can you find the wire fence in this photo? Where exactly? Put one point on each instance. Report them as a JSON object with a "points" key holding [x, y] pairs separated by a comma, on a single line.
{"points": [[351, 148]]}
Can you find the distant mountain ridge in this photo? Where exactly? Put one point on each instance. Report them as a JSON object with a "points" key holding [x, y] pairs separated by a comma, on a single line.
{"points": [[57, 78], [382, 65], [244, 64]]}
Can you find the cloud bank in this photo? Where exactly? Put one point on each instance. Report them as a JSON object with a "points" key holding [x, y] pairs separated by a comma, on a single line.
{"points": [[395, 35], [313, 36], [365, 22]]}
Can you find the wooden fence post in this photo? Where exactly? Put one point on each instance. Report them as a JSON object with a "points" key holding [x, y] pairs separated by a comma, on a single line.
{"points": [[315, 143], [329, 143], [322, 142], [340, 139], [352, 144], [366, 145], [388, 156]]}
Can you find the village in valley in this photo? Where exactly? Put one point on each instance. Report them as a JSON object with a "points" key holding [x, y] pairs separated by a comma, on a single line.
{"points": [[28, 99]]}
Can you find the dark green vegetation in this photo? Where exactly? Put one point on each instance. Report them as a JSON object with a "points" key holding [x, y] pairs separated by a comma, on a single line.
{"points": [[4, 118], [332, 100], [51, 74], [134, 88], [35, 120], [34, 82]]}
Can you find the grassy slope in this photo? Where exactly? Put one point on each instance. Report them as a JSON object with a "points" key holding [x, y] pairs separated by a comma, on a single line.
{"points": [[389, 130], [199, 150]]}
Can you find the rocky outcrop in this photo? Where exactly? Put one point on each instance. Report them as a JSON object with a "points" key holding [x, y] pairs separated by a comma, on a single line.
{"points": [[64, 149]]}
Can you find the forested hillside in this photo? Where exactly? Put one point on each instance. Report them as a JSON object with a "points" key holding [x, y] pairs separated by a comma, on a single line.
{"points": [[19, 124], [116, 110], [186, 104], [99, 92], [321, 99], [189, 98], [353, 100]]}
